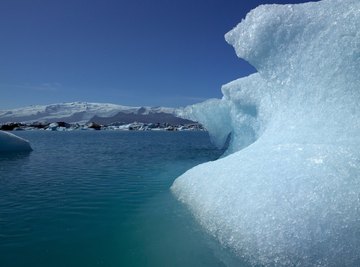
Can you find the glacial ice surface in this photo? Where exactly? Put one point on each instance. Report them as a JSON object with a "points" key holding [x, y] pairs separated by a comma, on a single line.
{"points": [[12, 143], [287, 191]]}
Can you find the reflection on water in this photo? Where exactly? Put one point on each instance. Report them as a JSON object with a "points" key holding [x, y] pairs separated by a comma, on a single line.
{"points": [[12, 162], [14, 156]]}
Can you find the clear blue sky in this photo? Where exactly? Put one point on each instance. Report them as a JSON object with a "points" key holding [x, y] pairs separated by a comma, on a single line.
{"points": [[131, 52]]}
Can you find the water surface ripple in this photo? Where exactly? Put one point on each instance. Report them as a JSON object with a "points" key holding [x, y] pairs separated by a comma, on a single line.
{"points": [[102, 199]]}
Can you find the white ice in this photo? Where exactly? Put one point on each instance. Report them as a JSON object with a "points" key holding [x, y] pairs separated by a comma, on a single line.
{"points": [[288, 191]]}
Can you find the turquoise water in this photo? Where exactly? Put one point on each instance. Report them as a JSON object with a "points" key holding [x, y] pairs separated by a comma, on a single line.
{"points": [[103, 199]]}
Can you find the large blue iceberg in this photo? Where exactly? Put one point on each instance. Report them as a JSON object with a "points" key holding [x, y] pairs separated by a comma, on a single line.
{"points": [[287, 191]]}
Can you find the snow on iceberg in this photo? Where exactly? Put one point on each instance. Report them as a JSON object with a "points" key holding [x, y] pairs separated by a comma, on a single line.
{"points": [[288, 193], [12, 143]]}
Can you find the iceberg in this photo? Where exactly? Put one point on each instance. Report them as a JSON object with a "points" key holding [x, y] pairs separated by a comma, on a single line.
{"points": [[12, 143], [287, 190]]}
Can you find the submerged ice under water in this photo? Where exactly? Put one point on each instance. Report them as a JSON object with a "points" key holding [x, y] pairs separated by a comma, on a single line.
{"points": [[288, 191], [101, 198]]}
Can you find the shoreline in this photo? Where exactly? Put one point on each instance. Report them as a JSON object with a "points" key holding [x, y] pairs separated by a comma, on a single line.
{"points": [[64, 126]]}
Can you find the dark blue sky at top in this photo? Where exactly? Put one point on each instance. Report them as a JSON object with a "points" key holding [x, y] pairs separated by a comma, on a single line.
{"points": [[130, 52]]}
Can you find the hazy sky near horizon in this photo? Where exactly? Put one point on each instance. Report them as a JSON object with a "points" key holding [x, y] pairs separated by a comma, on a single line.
{"points": [[130, 52]]}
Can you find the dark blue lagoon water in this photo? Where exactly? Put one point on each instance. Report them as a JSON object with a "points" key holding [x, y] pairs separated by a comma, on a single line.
{"points": [[103, 199]]}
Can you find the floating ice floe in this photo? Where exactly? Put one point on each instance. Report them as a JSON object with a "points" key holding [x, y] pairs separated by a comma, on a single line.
{"points": [[287, 191], [12, 143]]}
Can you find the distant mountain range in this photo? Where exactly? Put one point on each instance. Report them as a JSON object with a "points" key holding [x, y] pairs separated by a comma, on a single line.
{"points": [[83, 112]]}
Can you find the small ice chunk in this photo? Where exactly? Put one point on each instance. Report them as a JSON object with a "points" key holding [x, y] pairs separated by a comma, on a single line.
{"points": [[12, 143]]}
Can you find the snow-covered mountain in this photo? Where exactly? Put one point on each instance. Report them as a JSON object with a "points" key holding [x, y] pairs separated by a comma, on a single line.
{"points": [[82, 112]]}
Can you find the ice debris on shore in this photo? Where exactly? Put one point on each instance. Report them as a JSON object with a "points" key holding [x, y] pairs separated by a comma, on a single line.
{"points": [[118, 126]]}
